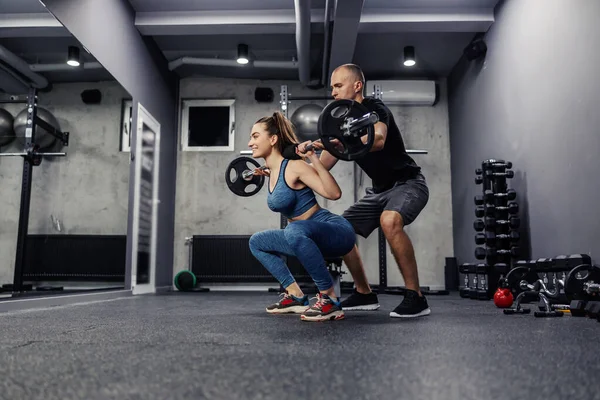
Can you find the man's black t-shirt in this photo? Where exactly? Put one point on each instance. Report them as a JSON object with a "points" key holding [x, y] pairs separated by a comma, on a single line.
{"points": [[392, 163]]}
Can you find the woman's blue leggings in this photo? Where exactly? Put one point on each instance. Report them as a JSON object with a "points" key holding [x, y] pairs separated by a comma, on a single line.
{"points": [[323, 235]]}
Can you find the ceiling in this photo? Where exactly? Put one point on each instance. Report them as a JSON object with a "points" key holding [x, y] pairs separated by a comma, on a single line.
{"points": [[283, 43]]}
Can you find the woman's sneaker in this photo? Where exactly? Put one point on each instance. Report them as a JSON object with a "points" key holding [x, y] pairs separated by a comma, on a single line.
{"points": [[325, 309], [362, 302], [289, 304]]}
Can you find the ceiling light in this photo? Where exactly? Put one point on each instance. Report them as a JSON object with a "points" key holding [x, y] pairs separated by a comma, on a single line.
{"points": [[242, 57], [73, 58], [409, 56]]}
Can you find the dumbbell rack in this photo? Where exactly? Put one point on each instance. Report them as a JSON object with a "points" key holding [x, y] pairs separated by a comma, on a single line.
{"points": [[496, 226]]}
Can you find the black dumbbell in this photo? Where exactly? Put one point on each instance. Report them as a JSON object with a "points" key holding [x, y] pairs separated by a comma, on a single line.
{"points": [[489, 196], [478, 200], [478, 171], [502, 164], [508, 174], [478, 180], [479, 212], [514, 222], [481, 253], [513, 208], [490, 237], [478, 225]]}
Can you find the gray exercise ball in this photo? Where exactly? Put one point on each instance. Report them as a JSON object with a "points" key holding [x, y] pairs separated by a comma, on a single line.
{"points": [[42, 137], [305, 120], [7, 133]]}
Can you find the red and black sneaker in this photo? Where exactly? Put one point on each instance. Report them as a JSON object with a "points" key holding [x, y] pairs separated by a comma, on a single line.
{"points": [[325, 309], [289, 304]]}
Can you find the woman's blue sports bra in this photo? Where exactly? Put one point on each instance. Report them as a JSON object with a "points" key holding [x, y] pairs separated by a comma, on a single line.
{"points": [[287, 201]]}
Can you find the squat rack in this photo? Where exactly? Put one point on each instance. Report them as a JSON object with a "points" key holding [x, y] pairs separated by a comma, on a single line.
{"points": [[31, 158]]}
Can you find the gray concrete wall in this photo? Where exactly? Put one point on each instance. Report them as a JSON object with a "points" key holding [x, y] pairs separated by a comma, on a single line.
{"points": [[205, 206], [106, 29], [533, 100], [87, 191]]}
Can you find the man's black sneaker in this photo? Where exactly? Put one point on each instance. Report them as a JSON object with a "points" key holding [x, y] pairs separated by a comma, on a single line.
{"points": [[412, 306], [362, 302]]}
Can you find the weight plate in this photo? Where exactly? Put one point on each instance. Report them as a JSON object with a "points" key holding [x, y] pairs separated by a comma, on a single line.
{"points": [[330, 124], [577, 277], [237, 184], [518, 274], [185, 280]]}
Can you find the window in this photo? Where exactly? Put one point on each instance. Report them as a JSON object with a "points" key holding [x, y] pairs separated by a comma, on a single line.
{"points": [[208, 125], [126, 117]]}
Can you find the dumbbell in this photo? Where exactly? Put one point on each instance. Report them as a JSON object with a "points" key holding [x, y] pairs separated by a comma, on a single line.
{"points": [[478, 225], [479, 212], [490, 237], [489, 196], [513, 208], [481, 253], [464, 289], [478, 200], [502, 164], [482, 271], [508, 174], [514, 222]]}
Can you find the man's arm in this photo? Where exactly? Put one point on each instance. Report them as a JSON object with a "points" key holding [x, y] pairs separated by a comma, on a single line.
{"points": [[327, 159], [380, 136]]}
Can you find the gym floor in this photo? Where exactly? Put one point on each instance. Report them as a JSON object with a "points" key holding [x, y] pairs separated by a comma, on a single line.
{"points": [[223, 345]]}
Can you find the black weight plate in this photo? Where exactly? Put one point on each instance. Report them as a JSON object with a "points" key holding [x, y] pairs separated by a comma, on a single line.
{"points": [[577, 277], [239, 185], [332, 118], [518, 274]]}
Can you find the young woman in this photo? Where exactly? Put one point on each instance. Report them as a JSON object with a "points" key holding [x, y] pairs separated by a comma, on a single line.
{"points": [[312, 233]]}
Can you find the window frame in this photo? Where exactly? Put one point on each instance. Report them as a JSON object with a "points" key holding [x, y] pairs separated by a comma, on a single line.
{"points": [[185, 120]]}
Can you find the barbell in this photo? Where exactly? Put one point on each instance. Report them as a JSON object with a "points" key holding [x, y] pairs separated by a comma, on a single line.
{"points": [[343, 123], [33, 155]]}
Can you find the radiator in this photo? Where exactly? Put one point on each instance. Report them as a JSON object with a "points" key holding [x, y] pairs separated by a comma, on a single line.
{"points": [[227, 258], [75, 258]]}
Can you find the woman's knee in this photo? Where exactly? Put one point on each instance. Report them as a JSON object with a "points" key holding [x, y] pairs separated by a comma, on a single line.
{"points": [[256, 241]]}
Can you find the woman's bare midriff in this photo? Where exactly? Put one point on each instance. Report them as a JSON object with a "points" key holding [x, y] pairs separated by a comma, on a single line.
{"points": [[307, 214]]}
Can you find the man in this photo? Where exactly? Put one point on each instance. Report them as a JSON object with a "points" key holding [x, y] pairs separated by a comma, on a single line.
{"points": [[398, 195]]}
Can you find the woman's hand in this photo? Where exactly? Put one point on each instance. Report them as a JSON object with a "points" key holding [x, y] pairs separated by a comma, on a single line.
{"points": [[262, 172], [302, 152]]}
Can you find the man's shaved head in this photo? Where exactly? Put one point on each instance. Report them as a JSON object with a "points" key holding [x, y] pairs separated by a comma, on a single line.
{"points": [[347, 82], [352, 71]]}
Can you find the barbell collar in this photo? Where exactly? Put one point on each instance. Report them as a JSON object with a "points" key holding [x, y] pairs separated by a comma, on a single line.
{"points": [[363, 122]]}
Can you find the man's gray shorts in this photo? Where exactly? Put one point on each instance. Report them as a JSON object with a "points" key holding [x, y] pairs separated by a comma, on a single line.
{"points": [[406, 197]]}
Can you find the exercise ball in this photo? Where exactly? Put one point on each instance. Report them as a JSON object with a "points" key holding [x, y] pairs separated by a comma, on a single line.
{"points": [[306, 120], [7, 133], [42, 138]]}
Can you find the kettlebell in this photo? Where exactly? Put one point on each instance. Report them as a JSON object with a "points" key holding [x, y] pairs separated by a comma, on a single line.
{"points": [[503, 298]]}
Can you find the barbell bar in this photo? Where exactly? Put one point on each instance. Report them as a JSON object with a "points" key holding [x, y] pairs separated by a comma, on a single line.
{"points": [[33, 154], [409, 151]]}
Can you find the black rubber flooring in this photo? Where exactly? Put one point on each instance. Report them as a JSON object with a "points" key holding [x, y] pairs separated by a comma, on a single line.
{"points": [[222, 345]]}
